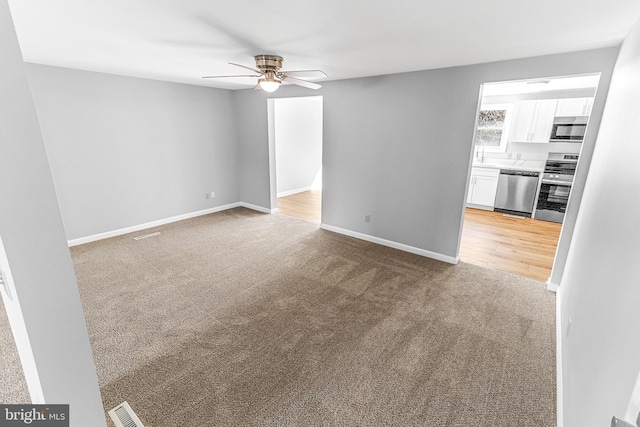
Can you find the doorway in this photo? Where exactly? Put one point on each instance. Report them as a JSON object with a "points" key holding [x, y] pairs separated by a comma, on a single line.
{"points": [[296, 129], [515, 132]]}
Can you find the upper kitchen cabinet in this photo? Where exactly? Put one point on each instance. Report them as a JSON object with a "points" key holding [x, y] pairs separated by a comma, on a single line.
{"points": [[574, 107], [533, 120]]}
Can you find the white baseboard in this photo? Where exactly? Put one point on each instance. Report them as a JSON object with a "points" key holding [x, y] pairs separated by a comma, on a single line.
{"points": [[391, 244], [258, 208], [553, 287], [559, 388], [296, 191], [134, 228]]}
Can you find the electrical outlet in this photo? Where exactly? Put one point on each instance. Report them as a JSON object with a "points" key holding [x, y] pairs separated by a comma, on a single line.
{"points": [[213, 194], [367, 218], [207, 195]]}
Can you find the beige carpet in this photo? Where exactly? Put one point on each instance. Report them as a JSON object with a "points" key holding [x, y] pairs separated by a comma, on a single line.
{"points": [[13, 387], [245, 319]]}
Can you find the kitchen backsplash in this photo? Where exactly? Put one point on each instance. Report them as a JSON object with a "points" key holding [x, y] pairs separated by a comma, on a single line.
{"points": [[528, 151]]}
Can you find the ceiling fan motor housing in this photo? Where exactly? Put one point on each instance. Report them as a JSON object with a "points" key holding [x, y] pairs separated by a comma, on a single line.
{"points": [[268, 62], [268, 67]]}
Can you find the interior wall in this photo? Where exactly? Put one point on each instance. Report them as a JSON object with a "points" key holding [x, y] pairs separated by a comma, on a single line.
{"points": [[599, 290], [298, 143], [252, 115], [399, 147], [126, 151], [43, 304]]}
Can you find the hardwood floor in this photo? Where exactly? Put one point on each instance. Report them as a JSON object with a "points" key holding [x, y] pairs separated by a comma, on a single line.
{"points": [[521, 246], [306, 205]]}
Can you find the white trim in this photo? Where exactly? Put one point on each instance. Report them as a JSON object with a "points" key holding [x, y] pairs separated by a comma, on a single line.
{"points": [[133, 228], [633, 408], [258, 208], [559, 396], [296, 191], [391, 244], [553, 287], [9, 295]]}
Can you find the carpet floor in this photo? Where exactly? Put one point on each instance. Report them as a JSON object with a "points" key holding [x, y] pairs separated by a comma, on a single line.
{"points": [[13, 386], [245, 319]]}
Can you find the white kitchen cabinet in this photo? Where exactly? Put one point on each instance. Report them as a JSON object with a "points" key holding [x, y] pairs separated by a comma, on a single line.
{"points": [[482, 187], [521, 128], [574, 107], [533, 120]]}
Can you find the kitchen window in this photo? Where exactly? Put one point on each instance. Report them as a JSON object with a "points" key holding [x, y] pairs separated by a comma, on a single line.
{"points": [[492, 127]]}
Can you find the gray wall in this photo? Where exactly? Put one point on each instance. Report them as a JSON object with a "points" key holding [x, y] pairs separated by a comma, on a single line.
{"points": [[599, 292], [298, 142], [45, 310], [399, 147], [253, 145], [126, 151]]}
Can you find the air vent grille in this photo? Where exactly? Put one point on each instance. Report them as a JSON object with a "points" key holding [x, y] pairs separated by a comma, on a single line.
{"points": [[123, 416]]}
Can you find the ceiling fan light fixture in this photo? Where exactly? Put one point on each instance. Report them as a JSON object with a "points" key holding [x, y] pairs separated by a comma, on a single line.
{"points": [[269, 85]]}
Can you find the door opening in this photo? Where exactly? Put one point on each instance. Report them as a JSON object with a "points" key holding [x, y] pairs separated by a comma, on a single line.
{"points": [[516, 144], [296, 130]]}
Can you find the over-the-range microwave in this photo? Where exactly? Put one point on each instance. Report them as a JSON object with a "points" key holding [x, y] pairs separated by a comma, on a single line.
{"points": [[569, 129]]}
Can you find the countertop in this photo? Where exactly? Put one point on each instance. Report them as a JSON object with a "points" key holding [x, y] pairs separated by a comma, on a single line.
{"points": [[523, 165]]}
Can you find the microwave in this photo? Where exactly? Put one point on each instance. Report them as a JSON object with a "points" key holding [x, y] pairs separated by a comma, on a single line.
{"points": [[569, 129]]}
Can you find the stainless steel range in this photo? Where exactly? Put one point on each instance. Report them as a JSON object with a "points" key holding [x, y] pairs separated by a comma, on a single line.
{"points": [[555, 188]]}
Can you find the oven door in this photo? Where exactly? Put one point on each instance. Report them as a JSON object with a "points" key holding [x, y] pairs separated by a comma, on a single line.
{"points": [[552, 200]]}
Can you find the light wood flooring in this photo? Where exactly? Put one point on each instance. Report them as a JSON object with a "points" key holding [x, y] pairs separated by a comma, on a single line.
{"points": [[521, 246], [306, 205]]}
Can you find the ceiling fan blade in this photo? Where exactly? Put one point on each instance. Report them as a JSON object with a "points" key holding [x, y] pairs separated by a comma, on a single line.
{"points": [[302, 83], [305, 73], [248, 68], [238, 75]]}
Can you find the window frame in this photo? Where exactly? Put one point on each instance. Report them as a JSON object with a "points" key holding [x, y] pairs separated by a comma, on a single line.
{"points": [[506, 127]]}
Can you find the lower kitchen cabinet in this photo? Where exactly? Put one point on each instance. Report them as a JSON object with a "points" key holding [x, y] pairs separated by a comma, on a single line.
{"points": [[482, 188]]}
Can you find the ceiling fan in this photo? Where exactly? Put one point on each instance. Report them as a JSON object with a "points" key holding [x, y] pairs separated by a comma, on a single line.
{"points": [[268, 67]]}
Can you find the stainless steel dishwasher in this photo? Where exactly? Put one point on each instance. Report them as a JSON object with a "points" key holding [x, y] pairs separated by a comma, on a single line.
{"points": [[516, 192]]}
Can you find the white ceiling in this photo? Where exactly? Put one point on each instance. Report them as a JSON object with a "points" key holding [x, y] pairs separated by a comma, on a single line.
{"points": [[182, 40]]}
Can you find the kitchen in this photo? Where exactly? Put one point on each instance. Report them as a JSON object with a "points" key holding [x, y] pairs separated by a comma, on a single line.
{"points": [[526, 148]]}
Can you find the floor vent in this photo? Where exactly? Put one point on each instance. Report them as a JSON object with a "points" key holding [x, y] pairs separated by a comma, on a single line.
{"points": [[123, 416], [146, 236]]}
